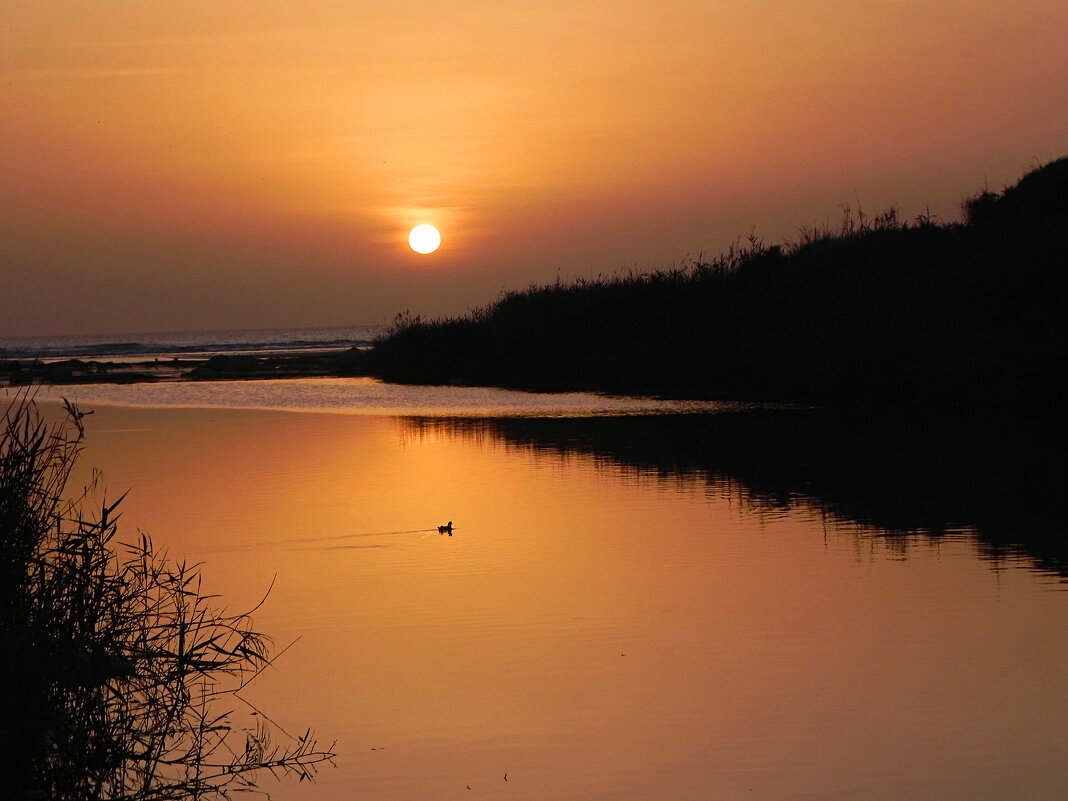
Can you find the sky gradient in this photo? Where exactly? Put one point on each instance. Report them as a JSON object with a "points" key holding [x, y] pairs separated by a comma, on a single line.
{"points": [[185, 165]]}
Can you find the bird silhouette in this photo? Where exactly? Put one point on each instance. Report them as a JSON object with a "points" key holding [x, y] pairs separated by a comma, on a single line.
{"points": [[447, 529]]}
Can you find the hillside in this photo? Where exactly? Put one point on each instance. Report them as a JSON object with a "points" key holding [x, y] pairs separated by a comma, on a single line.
{"points": [[877, 311]]}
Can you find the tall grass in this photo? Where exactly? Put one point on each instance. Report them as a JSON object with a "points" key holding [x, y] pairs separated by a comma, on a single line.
{"points": [[875, 309], [119, 678]]}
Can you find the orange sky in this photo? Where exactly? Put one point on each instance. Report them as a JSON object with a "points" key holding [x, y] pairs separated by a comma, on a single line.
{"points": [[181, 165]]}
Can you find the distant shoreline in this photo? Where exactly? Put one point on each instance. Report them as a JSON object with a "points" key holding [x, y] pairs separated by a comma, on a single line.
{"points": [[322, 363]]}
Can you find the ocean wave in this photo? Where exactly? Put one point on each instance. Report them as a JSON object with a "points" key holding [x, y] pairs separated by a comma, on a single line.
{"points": [[206, 343]]}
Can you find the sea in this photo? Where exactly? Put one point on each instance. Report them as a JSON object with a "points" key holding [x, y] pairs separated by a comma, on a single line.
{"points": [[133, 347]]}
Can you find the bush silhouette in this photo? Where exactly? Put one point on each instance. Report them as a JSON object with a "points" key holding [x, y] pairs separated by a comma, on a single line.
{"points": [[120, 678], [878, 310]]}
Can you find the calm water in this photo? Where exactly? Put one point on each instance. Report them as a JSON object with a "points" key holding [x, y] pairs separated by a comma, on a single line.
{"points": [[767, 605], [368, 396]]}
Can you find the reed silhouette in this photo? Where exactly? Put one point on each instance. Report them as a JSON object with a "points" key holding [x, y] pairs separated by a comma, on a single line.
{"points": [[119, 679], [878, 309]]}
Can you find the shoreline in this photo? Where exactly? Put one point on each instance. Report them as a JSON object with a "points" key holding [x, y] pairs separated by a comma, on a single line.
{"points": [[310, 364]]}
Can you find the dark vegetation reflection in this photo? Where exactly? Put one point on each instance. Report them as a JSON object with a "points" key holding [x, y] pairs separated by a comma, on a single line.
{"points": [[994, 478]]}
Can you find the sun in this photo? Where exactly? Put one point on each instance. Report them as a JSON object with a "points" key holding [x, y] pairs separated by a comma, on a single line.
{"points": [[424, 239]]}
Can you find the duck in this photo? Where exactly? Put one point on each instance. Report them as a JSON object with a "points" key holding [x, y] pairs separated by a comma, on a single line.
{"points": [[447, 529]]}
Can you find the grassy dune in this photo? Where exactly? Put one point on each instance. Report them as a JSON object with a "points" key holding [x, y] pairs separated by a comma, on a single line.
{"points": [[880, 310]]}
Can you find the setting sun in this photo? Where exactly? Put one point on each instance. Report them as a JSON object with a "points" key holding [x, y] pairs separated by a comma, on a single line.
{"points": [[424, 239]]}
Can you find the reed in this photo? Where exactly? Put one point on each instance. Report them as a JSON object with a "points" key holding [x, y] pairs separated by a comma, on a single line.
{"points": [[121, 678]]}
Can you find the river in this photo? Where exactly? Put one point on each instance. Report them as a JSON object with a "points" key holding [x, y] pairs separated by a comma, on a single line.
{"points": [[635, 603]]}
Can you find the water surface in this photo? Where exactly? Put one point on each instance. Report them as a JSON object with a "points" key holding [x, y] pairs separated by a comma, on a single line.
{"points": [[631, 607], [368, 396]]}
